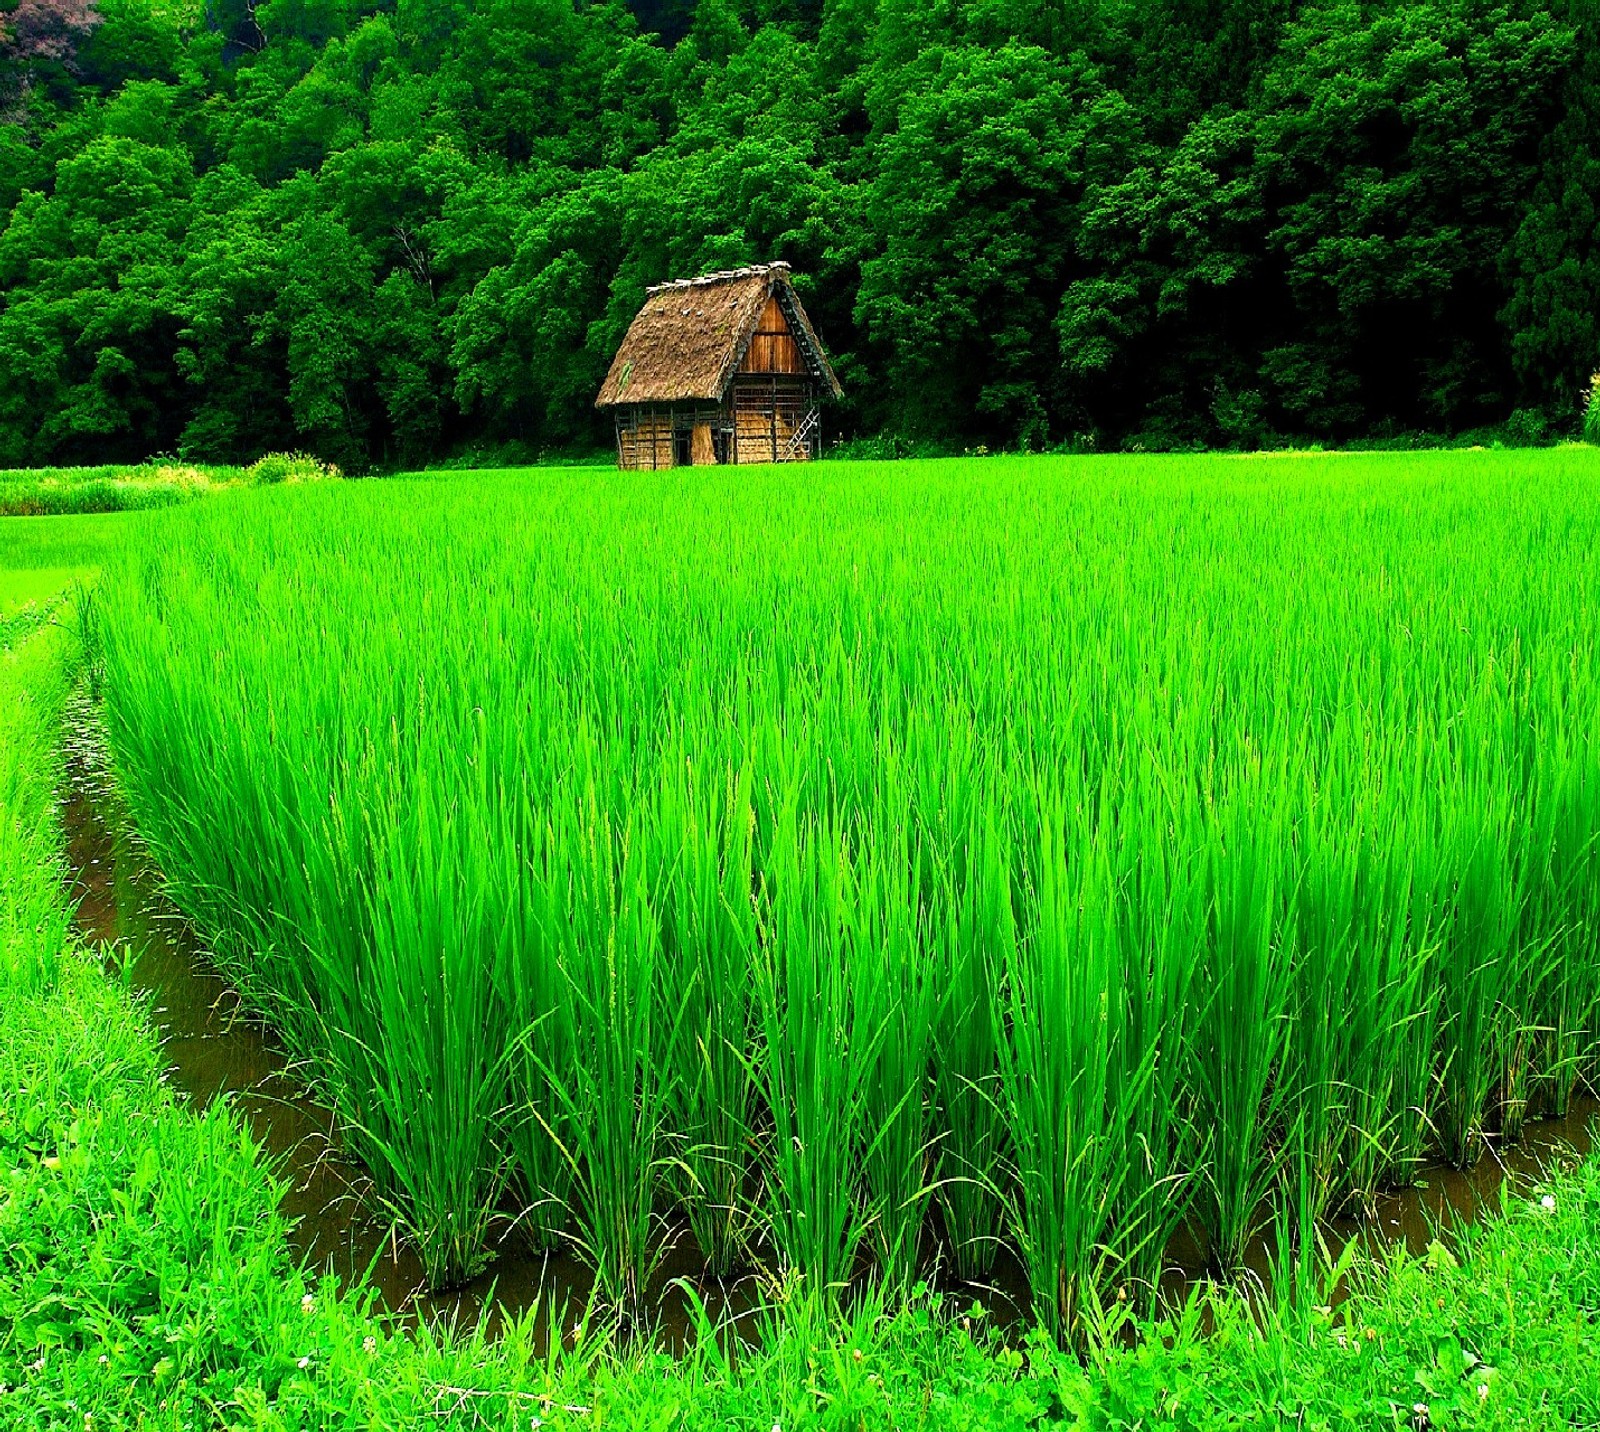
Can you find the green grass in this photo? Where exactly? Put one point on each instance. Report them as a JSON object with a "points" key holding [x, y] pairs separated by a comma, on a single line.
{"points": [[58, 491], [42, 561], [33, 919], [42, 557], [1155, 751], [145, 1279], [41, 492]]}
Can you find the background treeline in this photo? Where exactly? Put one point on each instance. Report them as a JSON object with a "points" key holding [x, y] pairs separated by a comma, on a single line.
{"points": [[391, 232]]}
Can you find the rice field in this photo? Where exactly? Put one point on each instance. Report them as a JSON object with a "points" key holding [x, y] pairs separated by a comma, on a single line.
{"points": [[848, 863]]}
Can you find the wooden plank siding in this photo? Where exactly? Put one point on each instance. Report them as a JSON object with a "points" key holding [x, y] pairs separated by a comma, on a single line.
{"points": [[772, 346], [766, 418], [646, 442]]}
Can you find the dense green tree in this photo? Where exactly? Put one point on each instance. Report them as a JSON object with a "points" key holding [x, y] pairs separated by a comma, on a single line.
{"points": [[1552, 313], [1328, 261], [1160, 330], [233, 360], [384, 228], [1401, 148], [977, 202], [89, 328]]}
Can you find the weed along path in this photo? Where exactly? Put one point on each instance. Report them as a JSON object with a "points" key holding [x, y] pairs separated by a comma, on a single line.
{"points": [[215, 1048]]}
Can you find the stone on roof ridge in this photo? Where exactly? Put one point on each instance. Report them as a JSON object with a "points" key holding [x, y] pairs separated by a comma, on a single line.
{"points": [[722, 276]]}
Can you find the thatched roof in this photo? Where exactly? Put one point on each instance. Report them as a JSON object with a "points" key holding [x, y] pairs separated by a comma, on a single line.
{"points": [[691, 336]]}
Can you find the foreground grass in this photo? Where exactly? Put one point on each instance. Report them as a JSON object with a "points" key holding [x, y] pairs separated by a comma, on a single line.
{"points": [[145, 1280]]}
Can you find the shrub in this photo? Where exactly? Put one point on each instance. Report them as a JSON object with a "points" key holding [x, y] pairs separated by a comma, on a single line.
{"points": [[290, 467], [1591, 414], [884, 447], [1527, 427]]}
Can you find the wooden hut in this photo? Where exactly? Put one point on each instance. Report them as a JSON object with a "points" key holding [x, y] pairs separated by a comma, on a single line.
{"points": [[721, 368]]}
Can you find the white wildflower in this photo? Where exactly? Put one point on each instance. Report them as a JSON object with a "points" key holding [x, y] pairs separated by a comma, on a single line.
{"points": [[1548, 1201], [308, 1305]]}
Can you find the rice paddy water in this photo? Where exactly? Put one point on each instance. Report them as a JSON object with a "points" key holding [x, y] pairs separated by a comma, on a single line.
{"points": [[862, 859]]}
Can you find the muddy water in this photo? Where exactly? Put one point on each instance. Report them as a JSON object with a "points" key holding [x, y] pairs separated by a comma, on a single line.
{"points": [[214, 1048]]}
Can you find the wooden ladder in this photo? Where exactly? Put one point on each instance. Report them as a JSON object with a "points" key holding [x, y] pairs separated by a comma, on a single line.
{"points": [[800, 438]]}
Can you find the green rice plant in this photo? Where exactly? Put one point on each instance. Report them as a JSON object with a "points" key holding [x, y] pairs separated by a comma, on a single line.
{"points": [[1565, 902], [613, 1090], [454, 776], [1407, 920], [1161, 928], [532, 986], [1244, 992], [418, 1033], [896, 999], [1069, 1084], [1390, 1049], [973, 933], [707, 837], [1477, 923], [1355, 1063], [817, 1053]]}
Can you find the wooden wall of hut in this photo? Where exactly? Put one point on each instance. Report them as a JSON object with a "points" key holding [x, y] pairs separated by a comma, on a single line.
{"points": [[772, 346], [766, 418], [645, 441], [771, 418]]}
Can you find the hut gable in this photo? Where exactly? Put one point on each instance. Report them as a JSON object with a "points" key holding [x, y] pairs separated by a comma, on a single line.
{"points": [[693, 335]]}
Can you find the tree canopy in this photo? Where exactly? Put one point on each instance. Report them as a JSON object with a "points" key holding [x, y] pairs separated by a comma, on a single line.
{"points": [[389, 231]]}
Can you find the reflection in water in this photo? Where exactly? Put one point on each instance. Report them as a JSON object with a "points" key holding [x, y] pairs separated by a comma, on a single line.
{"points": [[214, 1047]]}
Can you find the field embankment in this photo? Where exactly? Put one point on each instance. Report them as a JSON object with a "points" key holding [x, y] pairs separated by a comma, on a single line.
{"points": [[871, 859]]}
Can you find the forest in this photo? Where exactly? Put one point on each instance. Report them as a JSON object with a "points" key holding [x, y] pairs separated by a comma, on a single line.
{"points": [[400, 232]]}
